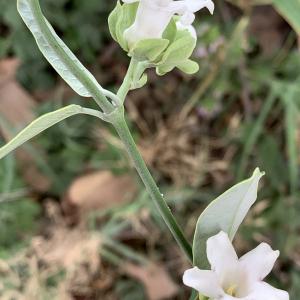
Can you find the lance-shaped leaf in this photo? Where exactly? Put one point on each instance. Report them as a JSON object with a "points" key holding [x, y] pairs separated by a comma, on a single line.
{"points": [[54, 49], [226, 213], [43, 123]]}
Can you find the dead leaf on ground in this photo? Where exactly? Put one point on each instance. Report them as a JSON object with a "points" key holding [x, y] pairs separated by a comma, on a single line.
{"points": [[16, 104], [157, 281], [16, 111], [101, 190]]}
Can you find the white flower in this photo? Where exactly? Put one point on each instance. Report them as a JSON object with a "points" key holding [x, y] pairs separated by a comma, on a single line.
{"points": [[232, 278], [153, 16]]}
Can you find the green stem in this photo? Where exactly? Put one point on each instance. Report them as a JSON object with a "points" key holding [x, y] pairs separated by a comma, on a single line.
{"points": [[125, 135], [127, 82], [134, 73]]}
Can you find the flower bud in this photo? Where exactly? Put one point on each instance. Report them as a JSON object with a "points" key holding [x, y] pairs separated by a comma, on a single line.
{"points": [[158, 31]]}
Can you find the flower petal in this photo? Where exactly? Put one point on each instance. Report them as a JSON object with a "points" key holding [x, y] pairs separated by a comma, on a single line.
{"points": [[259, 262], [188, 18], [221, 254], [263, 291], [143, 26], [228, 297], [205, 282], [191, 29]]}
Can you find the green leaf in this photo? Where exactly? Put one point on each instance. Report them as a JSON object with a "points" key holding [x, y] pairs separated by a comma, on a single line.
{"points": [[164, 69], [141, 82], [126, 18], [170, 32], [290, 9], [149, 49], [188, 66], [194, 295], [113, 20], [226, 213], [39, 125], [53, 48], [180, 50], [177, 55]]}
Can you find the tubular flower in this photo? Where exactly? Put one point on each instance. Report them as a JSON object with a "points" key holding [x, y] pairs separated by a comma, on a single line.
{"points": [[158, 33], [232, 278], [153, 16]]}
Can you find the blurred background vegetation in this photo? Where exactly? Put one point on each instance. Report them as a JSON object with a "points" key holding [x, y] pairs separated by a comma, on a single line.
{"points": [[75, 221]]}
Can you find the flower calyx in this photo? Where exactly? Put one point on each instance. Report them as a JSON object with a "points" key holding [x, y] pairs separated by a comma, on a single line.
{"points": [[158, 32]]}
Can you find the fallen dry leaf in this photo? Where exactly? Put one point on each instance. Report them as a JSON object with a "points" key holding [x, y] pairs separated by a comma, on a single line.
{"points": [[16, 109], [101, 190], [157, 281], [16, 104], [8, 69]]}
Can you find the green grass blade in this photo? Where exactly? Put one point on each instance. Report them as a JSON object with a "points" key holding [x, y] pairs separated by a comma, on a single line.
{"points": [[291, 126], [255, 133]]}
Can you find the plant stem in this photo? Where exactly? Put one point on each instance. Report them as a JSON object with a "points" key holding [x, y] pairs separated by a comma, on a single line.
{"points": [[134, 73], [125, 135], [127, 82]]}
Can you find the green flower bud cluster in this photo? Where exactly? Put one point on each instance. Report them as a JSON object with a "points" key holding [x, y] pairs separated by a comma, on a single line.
{"points": [[171, 51]]}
